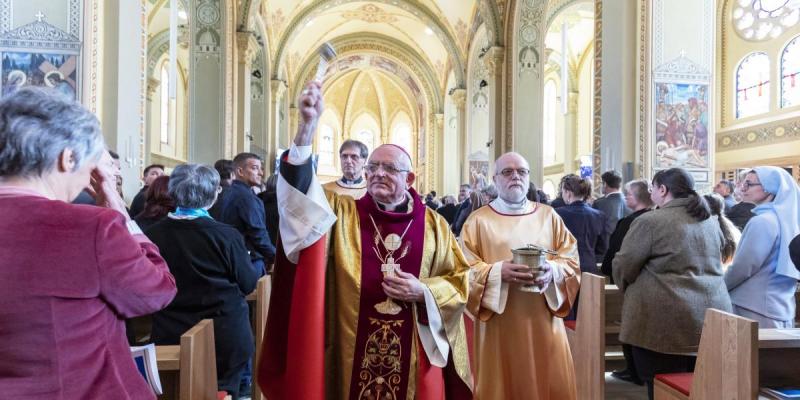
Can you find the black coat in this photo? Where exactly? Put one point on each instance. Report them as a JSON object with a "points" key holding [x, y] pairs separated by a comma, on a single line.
{"points": [[590, 229], [242, 209], [214, 275], [615, 242], [740, 214], [138, 203], [448, 211]]}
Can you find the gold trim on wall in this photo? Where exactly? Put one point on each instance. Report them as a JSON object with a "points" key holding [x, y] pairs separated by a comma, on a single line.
{"points": [[771, 133]]}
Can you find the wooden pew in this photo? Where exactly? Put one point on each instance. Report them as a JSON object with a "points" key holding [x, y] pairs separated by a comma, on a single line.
{"points": [[195, 362], [262, 293], [586, 338], [726, 365]]}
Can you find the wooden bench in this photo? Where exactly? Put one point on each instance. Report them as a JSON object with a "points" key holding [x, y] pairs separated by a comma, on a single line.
{"points": [[261, 299], [586, 338], [726, 365], [195, 363]]}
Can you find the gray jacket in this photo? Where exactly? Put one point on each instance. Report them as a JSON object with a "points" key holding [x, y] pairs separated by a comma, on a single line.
{"points": [[670, 271], [612, 205]]}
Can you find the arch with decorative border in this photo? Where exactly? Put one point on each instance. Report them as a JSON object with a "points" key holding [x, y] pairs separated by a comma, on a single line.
{"points": [[412, 6], [492, 19], [384, 46]]}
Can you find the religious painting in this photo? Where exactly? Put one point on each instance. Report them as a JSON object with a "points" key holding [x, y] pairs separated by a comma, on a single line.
{"points": [[54, 70], [681, 125], [479, 174]]}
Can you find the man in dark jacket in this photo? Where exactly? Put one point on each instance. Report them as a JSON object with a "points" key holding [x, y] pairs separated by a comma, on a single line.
{"points": [[463, 210], [449, 209], [242, 209], [612, 203], [151, 172]]}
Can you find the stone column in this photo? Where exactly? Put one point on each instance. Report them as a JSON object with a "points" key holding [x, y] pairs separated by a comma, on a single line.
{"points": [[494, 59], [208, 101], [277, 91], [571, 133], [460, 101], [124, 100], [246, 47], [436, 165]]}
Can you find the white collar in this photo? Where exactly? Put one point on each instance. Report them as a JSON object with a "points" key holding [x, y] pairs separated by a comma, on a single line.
{"points": [[408, 201], [504, 207]]}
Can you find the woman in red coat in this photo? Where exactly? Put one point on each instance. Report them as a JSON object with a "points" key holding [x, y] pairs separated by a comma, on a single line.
{"points": [[69, 274]]}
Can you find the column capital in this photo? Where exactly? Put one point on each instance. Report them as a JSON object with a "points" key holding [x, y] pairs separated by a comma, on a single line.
{"points": [[493, 59], [459, 98], [247, 47], [278, 88], [152, 86]]}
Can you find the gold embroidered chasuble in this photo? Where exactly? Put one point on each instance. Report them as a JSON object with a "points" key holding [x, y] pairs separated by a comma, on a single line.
{"points": [[356, 192], [444, 271], [520, 352]]}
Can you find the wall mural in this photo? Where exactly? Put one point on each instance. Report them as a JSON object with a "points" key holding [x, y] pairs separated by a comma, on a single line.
{"points": [[681, 125], [58, 71]]}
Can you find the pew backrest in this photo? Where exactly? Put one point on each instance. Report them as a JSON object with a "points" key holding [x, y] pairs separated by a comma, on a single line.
{"points": [[198, 363]]}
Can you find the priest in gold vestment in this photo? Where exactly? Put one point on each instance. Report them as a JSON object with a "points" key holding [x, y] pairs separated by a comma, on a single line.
{"points": [[352, 156], [520, 347], [368, 294]]}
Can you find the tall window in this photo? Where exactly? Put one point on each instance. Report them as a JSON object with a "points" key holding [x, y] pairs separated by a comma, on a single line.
{"points": [[325, 145], [790, 74], [164, 104], [367, 137], [550, 114], [401, 136], [752, 85]]}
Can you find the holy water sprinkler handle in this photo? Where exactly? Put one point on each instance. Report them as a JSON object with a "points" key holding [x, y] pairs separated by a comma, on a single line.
{"points": [[326, 55]]}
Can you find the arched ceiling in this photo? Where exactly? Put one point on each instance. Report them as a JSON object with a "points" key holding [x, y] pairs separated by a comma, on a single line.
{"points": [[437, 30], [579, 18]]}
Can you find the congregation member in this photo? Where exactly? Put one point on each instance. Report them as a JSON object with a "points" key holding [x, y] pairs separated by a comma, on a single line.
{"points": [[670, 272], [558, 202], [212, 270], [449, 209], [396, 289], [464, 208], [588, 225], [762, 279], [352, 156], [637, 199], [241, 208], [730, 233], [71, 273], [151, 172], [158, 203], [741, 213], [520, 345], [725, 188], [270, 199], [431, 201], [612, 204]]}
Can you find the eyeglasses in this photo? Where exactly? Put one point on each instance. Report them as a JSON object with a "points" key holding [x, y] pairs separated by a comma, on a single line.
{"points": [[388, 168], [521, 172], [746, 185]]}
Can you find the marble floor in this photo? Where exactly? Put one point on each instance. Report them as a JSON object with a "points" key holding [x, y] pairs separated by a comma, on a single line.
{"points": [[621, 390]]}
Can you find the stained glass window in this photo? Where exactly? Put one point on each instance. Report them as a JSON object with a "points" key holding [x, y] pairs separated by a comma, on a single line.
{"points": [[752, 85], [325, 146], [790, 74], [367, 137], [401, 136], [759, 20]]}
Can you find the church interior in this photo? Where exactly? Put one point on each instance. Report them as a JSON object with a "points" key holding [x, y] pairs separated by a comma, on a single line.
{"points": [[567, 83], [574, 86]]}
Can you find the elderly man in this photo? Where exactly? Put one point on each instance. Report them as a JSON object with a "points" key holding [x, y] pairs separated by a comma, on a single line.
{"points": [[519, 332], [352, 155], [386, 318]]}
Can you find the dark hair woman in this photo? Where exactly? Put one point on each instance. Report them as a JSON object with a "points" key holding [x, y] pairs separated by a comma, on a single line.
{"points": [[157, 203], [670, 270], [586, 224], [730, 232]]}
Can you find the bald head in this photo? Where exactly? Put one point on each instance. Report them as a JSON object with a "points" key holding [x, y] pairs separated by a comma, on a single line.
{"points": [[392, 152], [511, 177]]}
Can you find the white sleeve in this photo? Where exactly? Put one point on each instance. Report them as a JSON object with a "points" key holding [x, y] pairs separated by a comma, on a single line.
{"points": [[495, 294], [552, 292], [304, 217], [433, 336]]}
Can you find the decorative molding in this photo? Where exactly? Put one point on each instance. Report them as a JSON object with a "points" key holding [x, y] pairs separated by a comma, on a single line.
{"points": [[459, 99], [644, 87], [493, 60], [247, 47], [152, 86], [772, 133], [682, 69], [41, 35], [597, 150]]}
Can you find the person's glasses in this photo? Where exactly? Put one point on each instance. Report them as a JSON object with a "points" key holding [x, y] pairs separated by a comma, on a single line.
{"points": [[521, 172], [388, 168], [746, 185]]}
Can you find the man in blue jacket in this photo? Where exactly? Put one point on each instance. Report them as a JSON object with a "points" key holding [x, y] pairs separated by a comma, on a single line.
{"points": [[241, 208]]}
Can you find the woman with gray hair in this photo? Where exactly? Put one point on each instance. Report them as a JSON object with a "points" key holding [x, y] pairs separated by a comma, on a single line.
{"points": [[212, 270], [70, 273]]}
